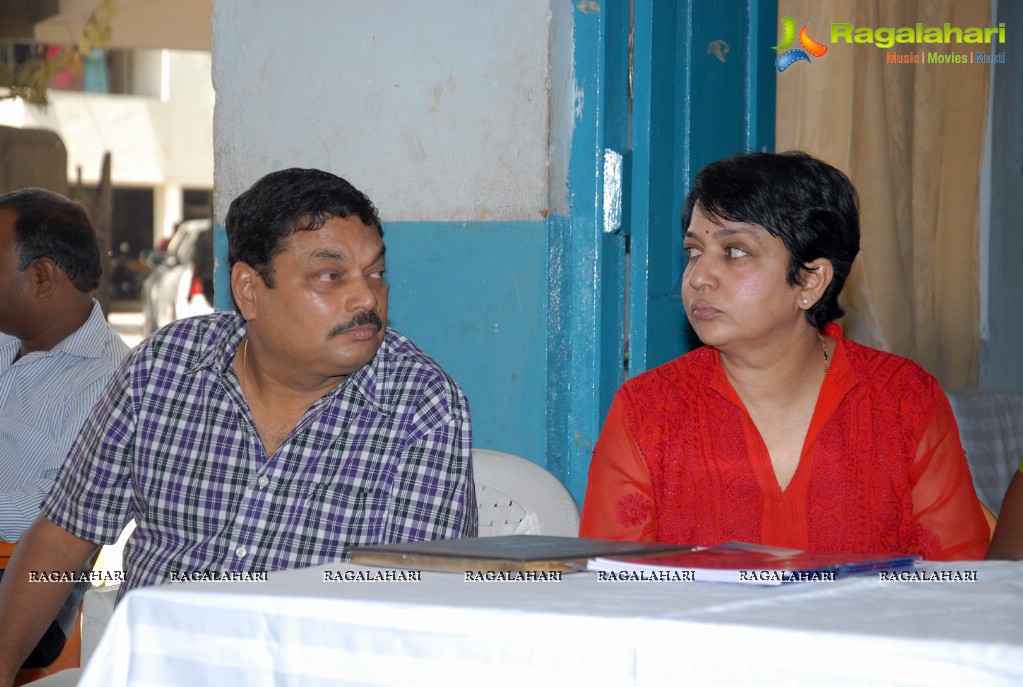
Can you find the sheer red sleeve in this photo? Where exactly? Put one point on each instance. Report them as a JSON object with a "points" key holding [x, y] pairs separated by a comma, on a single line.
{"points": [[619, 501], [945, 503]]}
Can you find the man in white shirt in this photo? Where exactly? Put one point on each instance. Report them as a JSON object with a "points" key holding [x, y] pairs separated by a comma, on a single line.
{"points": [[57, 353]]}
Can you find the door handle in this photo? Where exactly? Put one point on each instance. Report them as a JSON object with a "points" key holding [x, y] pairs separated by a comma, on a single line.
{"points": [[613, 171]]}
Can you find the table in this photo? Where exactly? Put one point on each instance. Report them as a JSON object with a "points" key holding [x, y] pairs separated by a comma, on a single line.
{"points": [[298, 629]]}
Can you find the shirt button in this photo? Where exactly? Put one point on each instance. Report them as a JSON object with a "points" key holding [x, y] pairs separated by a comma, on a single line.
{"points": [[240, 552], [263, 481]]}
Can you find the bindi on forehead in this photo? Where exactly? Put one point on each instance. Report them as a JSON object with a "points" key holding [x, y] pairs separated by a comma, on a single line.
{"points": [[720, 232]]}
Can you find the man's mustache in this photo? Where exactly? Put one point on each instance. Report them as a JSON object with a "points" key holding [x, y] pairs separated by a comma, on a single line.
{"points": [[362, 319]]}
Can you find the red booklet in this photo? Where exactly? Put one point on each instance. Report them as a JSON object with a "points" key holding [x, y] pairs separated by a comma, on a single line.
{"points": [[755, 564]]}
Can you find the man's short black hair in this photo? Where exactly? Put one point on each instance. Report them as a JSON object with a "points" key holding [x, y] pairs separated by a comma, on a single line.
{"points": [[52, 226], [281, 203], [811, 206]]}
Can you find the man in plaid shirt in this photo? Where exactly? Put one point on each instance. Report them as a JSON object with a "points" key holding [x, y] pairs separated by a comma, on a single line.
{"points": [[268, 438]]}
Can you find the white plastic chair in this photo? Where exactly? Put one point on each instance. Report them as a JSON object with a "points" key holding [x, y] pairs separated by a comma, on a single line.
{"points": [[991, 430], [517, 496]]}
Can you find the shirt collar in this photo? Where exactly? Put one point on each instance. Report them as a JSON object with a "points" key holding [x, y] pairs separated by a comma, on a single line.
{"points": [[221, 333], [88, 341], [224, 334], [842, 374], [371, 379], [9, 346]]}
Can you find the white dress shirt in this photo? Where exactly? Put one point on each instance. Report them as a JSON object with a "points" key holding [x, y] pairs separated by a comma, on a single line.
{"points": [[45, 397]]}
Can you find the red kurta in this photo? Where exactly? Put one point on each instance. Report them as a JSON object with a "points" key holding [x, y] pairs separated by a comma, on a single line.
{"points": [[882, 470]]}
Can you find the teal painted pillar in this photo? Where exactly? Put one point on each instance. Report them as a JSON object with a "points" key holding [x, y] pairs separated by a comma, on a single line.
{"points": [[221, 274]]}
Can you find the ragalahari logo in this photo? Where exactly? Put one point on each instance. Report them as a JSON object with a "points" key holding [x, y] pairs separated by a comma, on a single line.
{"points": [[788, 36]]}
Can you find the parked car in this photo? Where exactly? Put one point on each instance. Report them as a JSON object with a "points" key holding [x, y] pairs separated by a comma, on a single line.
{"points": [[181, 283]]}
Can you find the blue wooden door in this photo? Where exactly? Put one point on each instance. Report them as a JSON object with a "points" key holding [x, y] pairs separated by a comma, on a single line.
{"points": [[666, 87], [703, 89]]}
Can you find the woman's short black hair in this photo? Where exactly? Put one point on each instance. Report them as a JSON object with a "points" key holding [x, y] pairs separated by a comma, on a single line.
{"points": [[811, 206], [275, 207], [52, 226]]}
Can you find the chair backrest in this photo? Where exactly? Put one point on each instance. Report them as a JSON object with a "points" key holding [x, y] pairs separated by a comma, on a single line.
{"points": [[517, 496], [991, 430]]}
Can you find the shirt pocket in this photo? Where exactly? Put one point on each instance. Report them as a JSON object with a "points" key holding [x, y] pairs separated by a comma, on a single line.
{"points": [[337, 515]]}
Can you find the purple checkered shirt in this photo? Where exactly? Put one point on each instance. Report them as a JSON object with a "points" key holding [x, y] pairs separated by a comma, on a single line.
{"points": [[384, 457]]}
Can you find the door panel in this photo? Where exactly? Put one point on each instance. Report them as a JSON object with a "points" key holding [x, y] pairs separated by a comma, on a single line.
{"points": [[701, 87], [703, 90]]}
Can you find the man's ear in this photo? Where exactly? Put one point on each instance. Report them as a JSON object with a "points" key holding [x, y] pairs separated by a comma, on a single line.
{"points": [[43, 277], [244, 287], [816, 280]]}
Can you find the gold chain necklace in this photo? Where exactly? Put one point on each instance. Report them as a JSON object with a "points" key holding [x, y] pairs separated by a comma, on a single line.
{"points": [[824, 347]]}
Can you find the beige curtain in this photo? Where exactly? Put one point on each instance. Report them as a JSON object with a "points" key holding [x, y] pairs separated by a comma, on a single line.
{"points": [[910, 136]]}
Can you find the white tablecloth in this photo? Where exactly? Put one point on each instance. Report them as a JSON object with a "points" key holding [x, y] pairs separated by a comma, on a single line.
{"points": [[297, 629]]}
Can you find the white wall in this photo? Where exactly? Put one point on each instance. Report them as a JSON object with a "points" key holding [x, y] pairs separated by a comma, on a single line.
{"points": [[438, 110]]}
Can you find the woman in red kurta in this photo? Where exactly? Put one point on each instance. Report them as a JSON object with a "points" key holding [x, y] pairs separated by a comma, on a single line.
{"points": [[780, 431]]}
